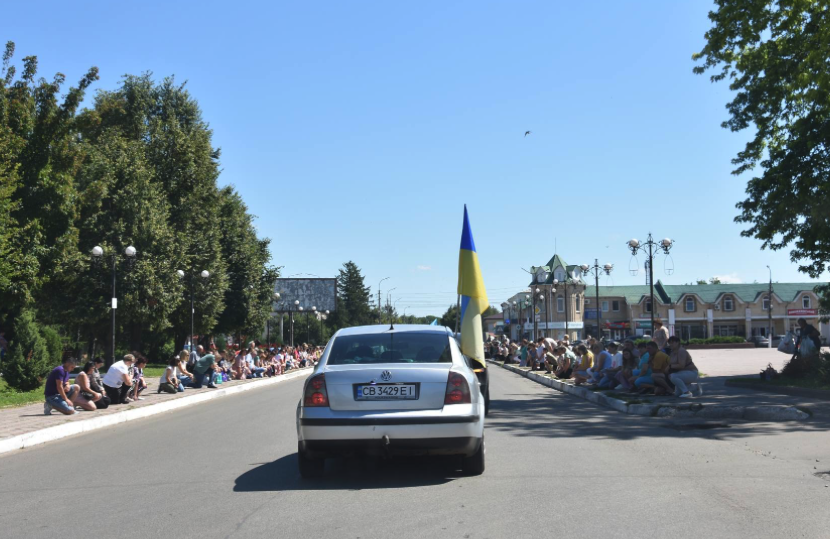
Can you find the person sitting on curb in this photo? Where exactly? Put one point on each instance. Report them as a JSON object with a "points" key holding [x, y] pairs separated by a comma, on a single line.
{"points": [[96, 383], [581, 374], [538, 354], [184, 376], [683, 369], [609, 373], [169, 382], [626, 376], [88, 397], [203, 372], [642, 374], [58, 391], [117, 381], [659, 363]]}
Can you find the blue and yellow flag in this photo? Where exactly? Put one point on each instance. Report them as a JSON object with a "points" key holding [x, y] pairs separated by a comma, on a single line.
{"points": [[473, 296]]}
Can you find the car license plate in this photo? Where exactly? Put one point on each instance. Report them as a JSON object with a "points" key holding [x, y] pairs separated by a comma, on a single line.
{"points": [[379, 392]]}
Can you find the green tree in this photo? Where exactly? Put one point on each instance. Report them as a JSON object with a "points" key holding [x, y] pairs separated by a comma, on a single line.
{"points": [[352, 298], [29, 356], [177, 145], [39, 155], [250, 280], [448, 319], [775, 55], [701, 281]]}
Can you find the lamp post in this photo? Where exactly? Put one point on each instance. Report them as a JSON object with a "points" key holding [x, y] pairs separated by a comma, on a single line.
{"points": [[597, 270], [395, 305], [291, 316], [769, 311], [388, 299], [204, 274], [542, 298], [307, 330], [98, 253], [665, 245], [322, 317], [268, 322], [380, 316]]}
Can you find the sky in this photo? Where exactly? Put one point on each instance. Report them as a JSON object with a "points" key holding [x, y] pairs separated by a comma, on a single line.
{"points": [[357, 130]]}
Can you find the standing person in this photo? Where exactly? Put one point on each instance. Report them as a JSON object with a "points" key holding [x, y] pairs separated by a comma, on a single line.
{"points": [[58, 392], [117, 381], [88, 397], [661, 334], [683, 369], [169, 382], [203, 371], [97, 384]]}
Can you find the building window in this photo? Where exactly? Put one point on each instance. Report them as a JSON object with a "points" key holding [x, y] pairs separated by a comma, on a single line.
{"points": [[690, 305], [560, 304], [726, 331], [615, 306], [605, 306], [576, 303], [648, 306], [587, 301], [766, 303], [805, 302], [728, 303]]}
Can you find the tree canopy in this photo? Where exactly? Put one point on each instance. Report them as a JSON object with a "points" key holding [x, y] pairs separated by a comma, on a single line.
{"points": [[776, 56]]}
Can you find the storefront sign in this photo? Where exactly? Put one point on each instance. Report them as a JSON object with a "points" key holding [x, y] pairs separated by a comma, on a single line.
{"points": [[616, 325], [802, 312], [643, 324]]}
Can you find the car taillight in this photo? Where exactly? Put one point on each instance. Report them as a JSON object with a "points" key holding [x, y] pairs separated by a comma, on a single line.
{"points": [[315, 392], [458, 390]]}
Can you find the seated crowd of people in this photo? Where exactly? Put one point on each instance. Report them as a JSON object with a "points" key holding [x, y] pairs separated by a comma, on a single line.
{"points": [[645, 367], [124, 381]]}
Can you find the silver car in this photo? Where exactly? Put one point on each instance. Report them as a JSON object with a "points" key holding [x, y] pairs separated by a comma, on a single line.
{"points": [[385, 390]]}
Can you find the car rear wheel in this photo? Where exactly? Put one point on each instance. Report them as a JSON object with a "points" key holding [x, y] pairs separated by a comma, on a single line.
{"points": [[310, 467], [474, 465]]}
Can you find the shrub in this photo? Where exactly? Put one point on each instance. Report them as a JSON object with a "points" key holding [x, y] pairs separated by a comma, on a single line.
{"points": [[29, 357], [54, 344]]}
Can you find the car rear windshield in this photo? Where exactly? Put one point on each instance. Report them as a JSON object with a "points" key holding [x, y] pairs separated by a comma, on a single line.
{"points": [[390, 348]]}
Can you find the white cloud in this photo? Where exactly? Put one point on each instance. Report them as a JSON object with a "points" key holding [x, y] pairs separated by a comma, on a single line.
{"points": [[729, 278], [424, 268]]}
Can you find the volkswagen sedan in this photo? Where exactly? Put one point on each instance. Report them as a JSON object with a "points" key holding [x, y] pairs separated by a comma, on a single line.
{"points": [[381, 390]]}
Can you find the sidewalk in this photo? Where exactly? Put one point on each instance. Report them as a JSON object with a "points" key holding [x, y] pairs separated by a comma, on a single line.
{"points": [[718, 400], [27, 425]]}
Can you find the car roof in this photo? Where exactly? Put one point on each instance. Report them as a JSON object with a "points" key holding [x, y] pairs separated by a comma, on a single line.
{"points": [[397, 328]]}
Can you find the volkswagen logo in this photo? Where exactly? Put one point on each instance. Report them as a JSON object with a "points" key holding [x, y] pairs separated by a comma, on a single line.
{"points": [[386, 376]]}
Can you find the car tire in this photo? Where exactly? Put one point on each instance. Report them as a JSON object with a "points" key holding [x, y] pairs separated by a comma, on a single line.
{"points": [[310, 467], [474, 464]]}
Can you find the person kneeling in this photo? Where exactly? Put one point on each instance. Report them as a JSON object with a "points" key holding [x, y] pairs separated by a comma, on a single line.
{"points": [[58, 392], [117, 380], [203, 371]]}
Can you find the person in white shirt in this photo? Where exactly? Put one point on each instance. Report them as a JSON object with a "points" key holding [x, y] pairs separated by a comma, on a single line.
{"points": [[117, 381], [609, 375], [169, 382]]}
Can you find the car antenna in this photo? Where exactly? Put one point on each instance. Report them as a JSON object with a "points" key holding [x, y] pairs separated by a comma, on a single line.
{"points": [[391, 325]]}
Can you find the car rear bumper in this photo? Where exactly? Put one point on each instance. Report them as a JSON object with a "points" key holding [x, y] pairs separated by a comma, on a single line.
{"points": [[454, 430], [395, 446]]}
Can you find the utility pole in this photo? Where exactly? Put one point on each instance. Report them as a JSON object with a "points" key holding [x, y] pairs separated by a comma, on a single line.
{"points": [[380, 315]]}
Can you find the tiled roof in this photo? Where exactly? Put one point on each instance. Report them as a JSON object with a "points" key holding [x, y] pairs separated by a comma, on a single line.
{"points": [[709, 293]]}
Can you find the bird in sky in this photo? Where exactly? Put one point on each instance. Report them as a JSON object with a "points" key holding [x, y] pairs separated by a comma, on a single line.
{"points": [[527, 133]]}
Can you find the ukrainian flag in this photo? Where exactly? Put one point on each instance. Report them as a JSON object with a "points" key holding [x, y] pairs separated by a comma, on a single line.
{"points": [[473, 296]]}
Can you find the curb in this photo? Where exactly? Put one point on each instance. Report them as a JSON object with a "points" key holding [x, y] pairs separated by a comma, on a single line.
{"points": [[822, 394], [690, 410], [72, 428]]}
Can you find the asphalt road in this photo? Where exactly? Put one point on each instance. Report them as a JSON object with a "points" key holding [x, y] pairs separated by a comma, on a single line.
{"points": [[556, 467]]}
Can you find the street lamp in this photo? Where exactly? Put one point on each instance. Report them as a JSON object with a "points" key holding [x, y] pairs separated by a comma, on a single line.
{"points": [[291, 316], [276, 297], [635, 246], [204, 274], [769, 311], [597, 270], [97, 254], [380, 317]]}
